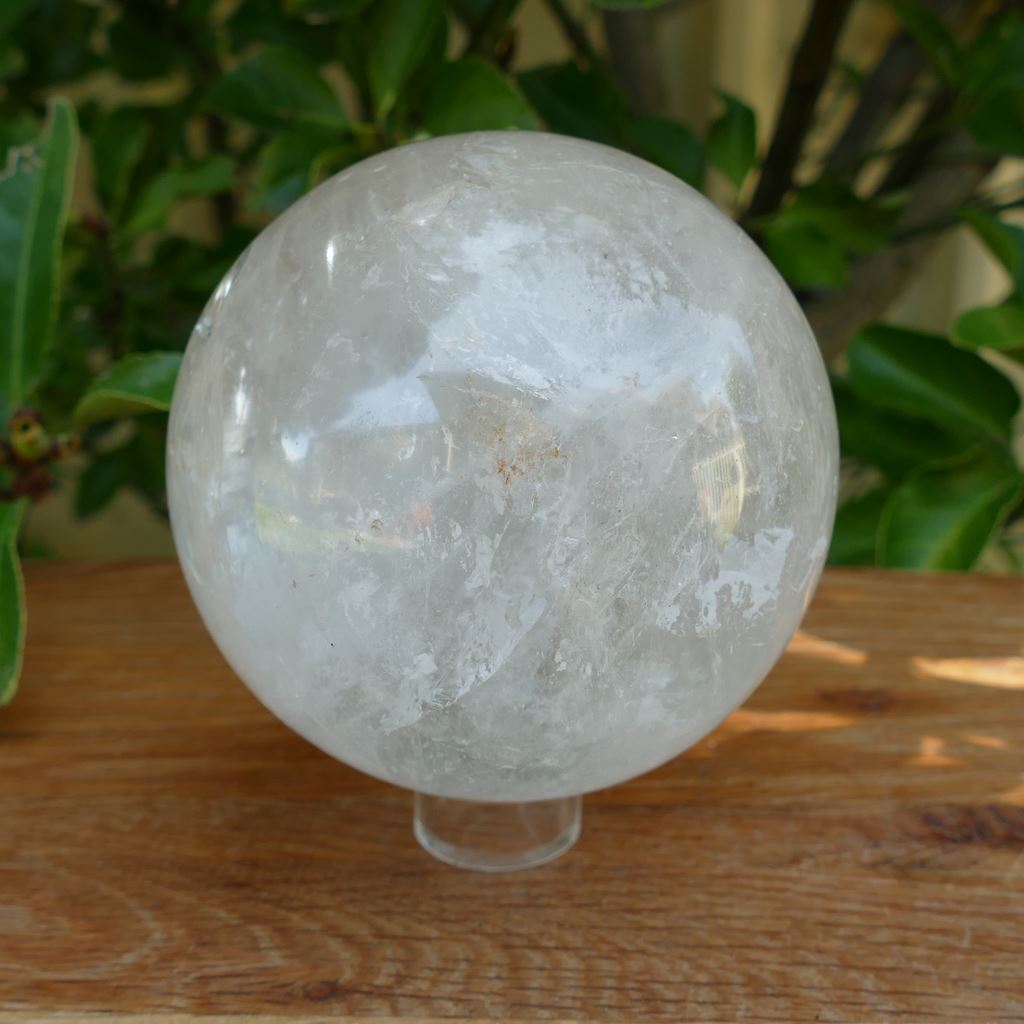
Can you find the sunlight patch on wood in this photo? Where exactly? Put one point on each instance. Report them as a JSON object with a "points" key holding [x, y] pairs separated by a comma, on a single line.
{"points": [[745, 720], [931, 754], [992, 742], [1004, 673], [808, 645]]}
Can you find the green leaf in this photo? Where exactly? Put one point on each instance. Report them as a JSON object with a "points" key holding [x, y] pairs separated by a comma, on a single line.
{"points": [[284, 167], [572, 101], [12, 11], [805, 256], [326, 9], [931, 33], [923, 375], [943, 518], [627, 5], [670, 145], [12, 60], [135, 385], [996, 327], [879, 437], [274, 88], [732, 139], [100, 481], [140, 45], [471, 95], [993, 62], [855, 534], [833, 209], [194, 178], [117, 144], [998, 123], [12, 600], [35, 192], [268, 22], [1005, 242], [401, 34]]}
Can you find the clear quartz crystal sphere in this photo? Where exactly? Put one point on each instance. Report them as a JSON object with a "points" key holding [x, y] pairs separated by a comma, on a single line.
{"points": [[502, 466]]}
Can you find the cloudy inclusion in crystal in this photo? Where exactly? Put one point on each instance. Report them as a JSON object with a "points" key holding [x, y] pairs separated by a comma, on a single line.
{"points": [[502, 466]]}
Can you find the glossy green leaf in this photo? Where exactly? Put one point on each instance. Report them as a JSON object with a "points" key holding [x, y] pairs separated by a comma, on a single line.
{"points": [[996, 327], [923, 375], [1004, 240], [855, 534], [896, 444], [572, 101], [732, 139], [627, 5], [401, 34], [135, 385], [277, 87], [12, 600], [670, 145], [473, 95], [35, 192], [194, 178], [931, 33], [943, 518], [118, 140], [806, 257], [284, 167]]}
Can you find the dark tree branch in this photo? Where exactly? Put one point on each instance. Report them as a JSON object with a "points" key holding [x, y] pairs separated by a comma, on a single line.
{"points": [[574, 32], [878, 279], [924, 140], [883, 92], [223, 202], [631, 46], [811, 65]]}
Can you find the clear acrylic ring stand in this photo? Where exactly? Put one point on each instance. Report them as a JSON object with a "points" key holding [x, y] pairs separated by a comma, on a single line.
{"points": [[496, 836]]}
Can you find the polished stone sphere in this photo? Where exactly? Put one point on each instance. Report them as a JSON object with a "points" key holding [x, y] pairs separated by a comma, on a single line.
{"points": [[502, 466]]}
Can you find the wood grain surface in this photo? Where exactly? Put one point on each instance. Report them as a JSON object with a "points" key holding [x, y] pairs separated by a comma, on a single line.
{"points": [[849, 846]]}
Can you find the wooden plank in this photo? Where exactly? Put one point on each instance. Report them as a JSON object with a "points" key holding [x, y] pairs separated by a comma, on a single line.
{"points": [[848, 846]]}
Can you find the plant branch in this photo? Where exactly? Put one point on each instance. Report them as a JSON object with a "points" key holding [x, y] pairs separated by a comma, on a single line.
{"points": [[951, 220], [884, 91], [811, 65], [574, 32], [223, 202], [631, 46], [926, 137], [877, 279]]}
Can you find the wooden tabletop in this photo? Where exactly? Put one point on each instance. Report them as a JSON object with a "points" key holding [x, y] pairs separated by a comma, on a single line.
{"points": [[849, 846]]}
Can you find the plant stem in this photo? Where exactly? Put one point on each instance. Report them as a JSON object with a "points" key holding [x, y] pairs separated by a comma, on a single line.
{"points": [[631, 39], [953, 219], [223, 202], [574, 32], [489, 29], [811, 66]]}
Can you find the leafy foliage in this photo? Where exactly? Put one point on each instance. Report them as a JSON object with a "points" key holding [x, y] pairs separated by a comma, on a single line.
{"points": [[215, 117]]}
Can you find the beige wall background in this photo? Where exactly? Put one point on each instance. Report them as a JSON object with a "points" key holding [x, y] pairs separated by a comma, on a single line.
{"points": [[742, 46]]}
